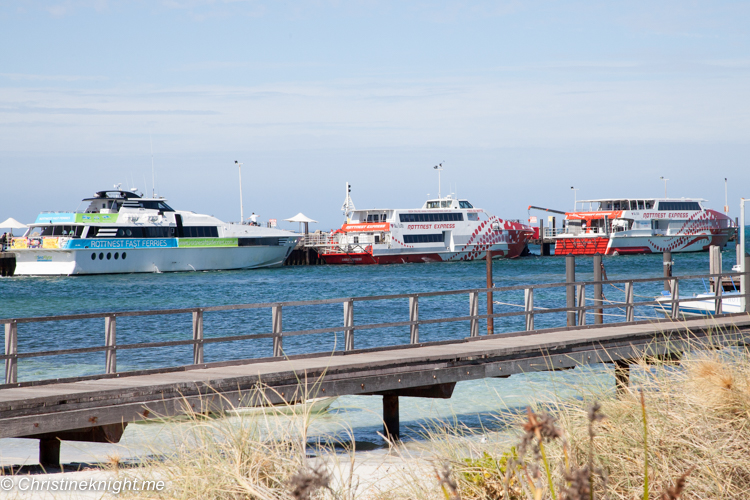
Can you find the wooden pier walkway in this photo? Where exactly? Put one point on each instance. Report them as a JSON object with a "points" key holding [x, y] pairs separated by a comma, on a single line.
{"points": [[98, 407]]}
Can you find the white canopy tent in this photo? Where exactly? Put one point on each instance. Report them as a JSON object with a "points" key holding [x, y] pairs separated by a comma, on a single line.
{"points": [[302, 219], [11, 223]]}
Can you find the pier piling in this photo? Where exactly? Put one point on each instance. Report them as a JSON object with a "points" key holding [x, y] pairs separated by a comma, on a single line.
{"points": [[622, 376], [390, 418]]}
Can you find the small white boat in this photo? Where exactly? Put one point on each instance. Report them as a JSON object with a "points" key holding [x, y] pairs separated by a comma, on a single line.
{"points": [[730, 303]]}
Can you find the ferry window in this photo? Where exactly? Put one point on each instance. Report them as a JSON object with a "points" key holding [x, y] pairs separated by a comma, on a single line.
{"points": [[616, 205], [432, 217], [464, 204], [93, 256], [124, 254], [649, 205], [640, 204], [679, 205], [424, 238], [383, 217], [109, 256], [46, 231], [254, 242], [633, 205], [117, 255], [377, 238], [101, 256], [446, 204], [433, 204]]}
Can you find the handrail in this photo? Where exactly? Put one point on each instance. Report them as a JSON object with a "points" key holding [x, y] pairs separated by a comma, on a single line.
{"points": [[673, 301]]}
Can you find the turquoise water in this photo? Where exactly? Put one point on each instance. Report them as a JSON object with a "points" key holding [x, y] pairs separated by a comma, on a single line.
{"points": [[470, 406], [32, 296]]}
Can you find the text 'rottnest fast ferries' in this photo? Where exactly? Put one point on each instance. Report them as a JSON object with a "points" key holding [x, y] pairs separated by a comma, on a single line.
{"points": [[444, 229], [122, 232], [637, 226]]}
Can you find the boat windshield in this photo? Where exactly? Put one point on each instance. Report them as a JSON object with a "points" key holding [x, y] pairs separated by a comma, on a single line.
{"points": [[465, 204]]}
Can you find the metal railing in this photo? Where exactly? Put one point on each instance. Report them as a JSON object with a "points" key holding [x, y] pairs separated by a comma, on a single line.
{"points": [[348, 327]]}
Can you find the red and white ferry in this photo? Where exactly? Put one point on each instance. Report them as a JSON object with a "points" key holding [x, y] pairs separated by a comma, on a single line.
{"points": [[643, 225], [443, 229]]}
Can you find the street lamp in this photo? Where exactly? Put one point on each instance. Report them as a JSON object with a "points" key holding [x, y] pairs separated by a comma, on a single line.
{"points": [[575, 197], [665, 185], [242, 212]]}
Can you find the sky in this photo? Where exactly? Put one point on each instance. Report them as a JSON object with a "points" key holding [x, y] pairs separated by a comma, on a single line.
{"points": [[520, 101]]}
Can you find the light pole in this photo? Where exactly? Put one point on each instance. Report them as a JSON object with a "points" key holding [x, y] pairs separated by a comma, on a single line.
{"points": [[575, 197], [665, 185], [242, 212]]}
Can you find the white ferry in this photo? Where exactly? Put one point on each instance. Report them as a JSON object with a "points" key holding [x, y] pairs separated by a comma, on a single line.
{"points": [[642, 225], [122, 232], [444, 229]]}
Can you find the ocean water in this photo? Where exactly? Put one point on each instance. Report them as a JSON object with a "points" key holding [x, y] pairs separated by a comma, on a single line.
{"points": [[470, 405]]}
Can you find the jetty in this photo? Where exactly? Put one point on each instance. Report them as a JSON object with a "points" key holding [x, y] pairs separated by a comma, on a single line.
{"points": [[592, 330]]}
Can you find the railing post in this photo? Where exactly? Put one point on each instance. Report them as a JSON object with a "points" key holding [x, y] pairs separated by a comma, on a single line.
{"points": [[528, 302], [675, 286], [570, 293], [629, 308], [348, 323], [667, 262], [718, 307], [11, 349], [198, 337], [110, 341], [581, 303], [278, 347], [598, 289], [474, 312], [414, 318]]}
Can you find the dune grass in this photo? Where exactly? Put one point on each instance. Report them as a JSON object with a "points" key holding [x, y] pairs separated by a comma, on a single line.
{"points": [[679, 431]]}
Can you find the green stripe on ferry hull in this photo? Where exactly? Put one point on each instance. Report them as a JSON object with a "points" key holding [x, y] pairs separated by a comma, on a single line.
{"points": [[206, 242]]}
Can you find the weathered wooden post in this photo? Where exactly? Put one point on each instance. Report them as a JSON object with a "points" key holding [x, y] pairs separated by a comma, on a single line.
{"points": [[490, 319], [528, 296], [667, 257], [198, 337], [110, 341], [598, 295], [11, 349], [348, 323], [675, 286], [581, 303], [390, 418], [414, 317], [718, 292], [570, 294], [474, 312], [278, 340], [629, 308]]}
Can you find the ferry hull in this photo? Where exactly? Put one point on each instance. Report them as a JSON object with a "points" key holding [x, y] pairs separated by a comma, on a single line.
{"points": [[638, 245], [155, 260], [510, 251]]}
